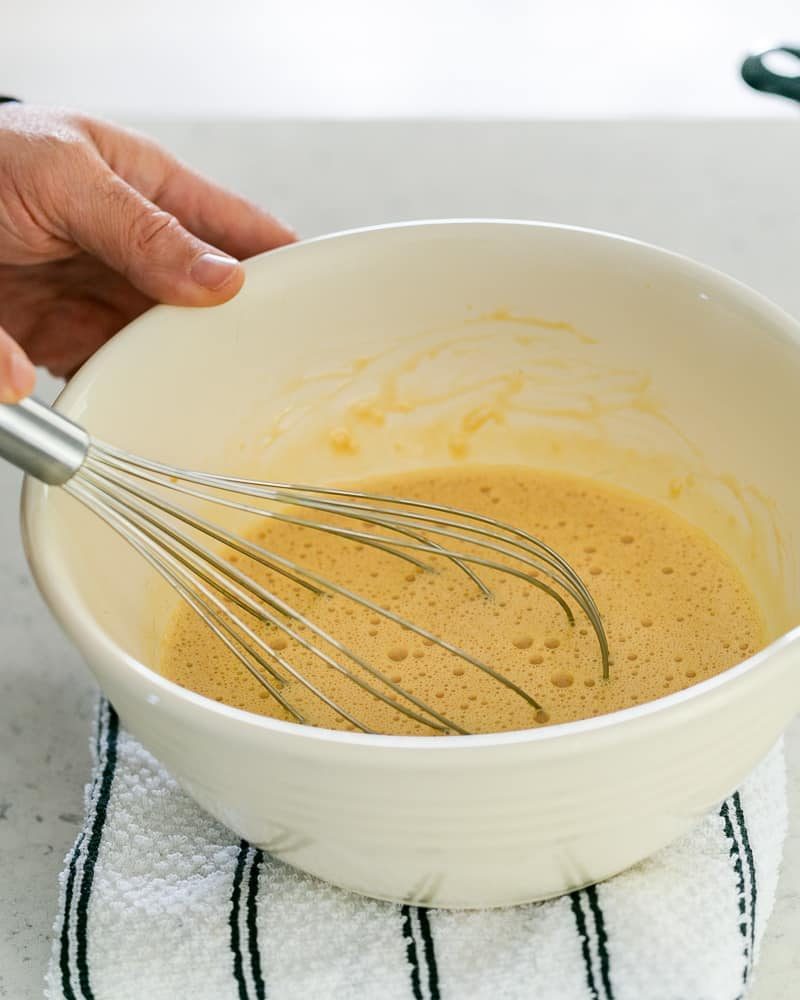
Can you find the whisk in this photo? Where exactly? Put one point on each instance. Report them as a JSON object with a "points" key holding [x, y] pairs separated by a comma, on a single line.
{"points": [[136, 497]]}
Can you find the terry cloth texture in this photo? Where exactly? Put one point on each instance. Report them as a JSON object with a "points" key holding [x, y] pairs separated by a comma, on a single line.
{"points": [[161, 902]]}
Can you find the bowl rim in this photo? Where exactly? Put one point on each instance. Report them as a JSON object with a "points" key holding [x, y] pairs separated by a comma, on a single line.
{"points": [[52, 578]]}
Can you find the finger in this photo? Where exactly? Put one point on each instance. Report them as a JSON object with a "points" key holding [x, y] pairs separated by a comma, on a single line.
{"points": [[148, 245], [84, 278], [70, 332], [17, 374], [229, 221], [61, 312]]}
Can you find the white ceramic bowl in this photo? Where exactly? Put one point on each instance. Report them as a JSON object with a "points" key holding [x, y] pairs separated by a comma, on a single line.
{"points": [[576, 350]]}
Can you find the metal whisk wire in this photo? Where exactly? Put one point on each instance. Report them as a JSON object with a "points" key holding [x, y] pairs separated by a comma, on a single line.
{"points": [[133, 496]]}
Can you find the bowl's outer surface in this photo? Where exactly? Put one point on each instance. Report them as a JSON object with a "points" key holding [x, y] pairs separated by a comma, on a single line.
{"points": [[465, 821]]}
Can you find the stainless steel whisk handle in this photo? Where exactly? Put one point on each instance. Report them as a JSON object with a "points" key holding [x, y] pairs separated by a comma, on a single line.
{"points": [[41, 442]]}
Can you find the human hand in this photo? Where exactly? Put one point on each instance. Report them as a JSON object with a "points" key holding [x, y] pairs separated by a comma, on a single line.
{"points": [[96, 224]]}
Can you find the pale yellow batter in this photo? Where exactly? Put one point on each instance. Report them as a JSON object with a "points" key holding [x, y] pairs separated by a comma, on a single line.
{"points": [[675, 609]]}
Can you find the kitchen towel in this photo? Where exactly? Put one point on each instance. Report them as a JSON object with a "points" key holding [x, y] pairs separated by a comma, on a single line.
{"points": [[160, 902]]}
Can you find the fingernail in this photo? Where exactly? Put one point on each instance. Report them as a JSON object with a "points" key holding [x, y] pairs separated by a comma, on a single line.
{"points": [[212, 270], [21, 375]]}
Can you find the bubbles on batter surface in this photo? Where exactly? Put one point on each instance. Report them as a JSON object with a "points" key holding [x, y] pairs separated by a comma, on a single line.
{"points": [[653, 571]]}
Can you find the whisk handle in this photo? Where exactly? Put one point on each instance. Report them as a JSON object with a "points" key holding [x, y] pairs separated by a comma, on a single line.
{"points": [[41, 442]]}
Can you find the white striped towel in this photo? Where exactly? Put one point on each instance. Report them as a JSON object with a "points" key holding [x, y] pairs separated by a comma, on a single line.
{"points": [[160, 902]]}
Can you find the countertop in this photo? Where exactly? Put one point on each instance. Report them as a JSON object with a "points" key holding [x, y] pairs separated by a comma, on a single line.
{"points": [[723, 192]]}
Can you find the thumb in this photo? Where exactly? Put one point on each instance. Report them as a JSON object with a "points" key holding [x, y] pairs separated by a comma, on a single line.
{"points": [[114, 222], [17, 374]]}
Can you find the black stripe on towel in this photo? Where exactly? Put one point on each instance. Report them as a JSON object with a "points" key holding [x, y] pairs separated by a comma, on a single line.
{"points": [[580, 924], [106, 758], [751, 867], [602, 939], [233, 920], [252, 925], [92, 851], [69, 891], [411, 951], [66, 979], [738, 869], [430, 953]]}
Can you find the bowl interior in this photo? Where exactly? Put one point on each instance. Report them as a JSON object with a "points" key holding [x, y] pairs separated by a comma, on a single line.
{"points": [[428, 345]]}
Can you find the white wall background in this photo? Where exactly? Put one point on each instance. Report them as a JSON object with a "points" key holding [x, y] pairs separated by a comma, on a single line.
{"points": [[554, 58]]}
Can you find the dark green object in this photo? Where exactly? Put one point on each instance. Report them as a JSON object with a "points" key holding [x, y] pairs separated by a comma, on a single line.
{"points": [[756, 75]]}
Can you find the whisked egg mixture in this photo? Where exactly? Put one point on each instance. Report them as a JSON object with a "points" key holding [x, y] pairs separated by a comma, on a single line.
{"points": [[675, 609]]}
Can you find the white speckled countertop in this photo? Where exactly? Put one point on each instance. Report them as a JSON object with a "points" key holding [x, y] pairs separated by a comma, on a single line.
{"points": [[724, 192]]}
